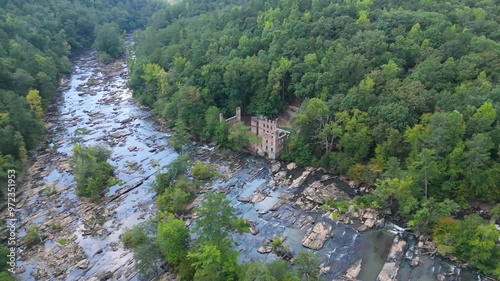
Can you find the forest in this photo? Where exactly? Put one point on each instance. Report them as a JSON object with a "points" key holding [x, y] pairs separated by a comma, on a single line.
{"points": [[37, 39], [401, 96]]}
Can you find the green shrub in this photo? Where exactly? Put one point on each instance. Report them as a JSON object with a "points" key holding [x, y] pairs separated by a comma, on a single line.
{"points": [[242, 225], [175, 198], [109, 42], [335, 215], [49, 191], [134, 237], [341, 206], [55, 226], [173, 240], [91, 169], [104, 57], [32, 237], [277, 242], [4, 276], [63, 241], [4, 259], [175, 169], [203, 171], [495, 212], [114, 181]]}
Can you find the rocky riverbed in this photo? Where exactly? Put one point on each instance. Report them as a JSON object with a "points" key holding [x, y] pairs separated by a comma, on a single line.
{"points": [[81, 239]]}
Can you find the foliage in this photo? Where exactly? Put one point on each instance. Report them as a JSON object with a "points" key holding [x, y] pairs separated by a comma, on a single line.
{"points": [[203, 171], [307, 266], [472, 239], [240, 136], [242, 225], [4, 259], [6, 277], [32, 237], [341, 206], [214, 257], [108, 42], [495, 211], [176, 197], [37, 39], [63, 241], [134, 237], [175, 169], [147, 254], [212, 265], [35, 102], [216, 222], [179, 137], [173, 240], [91, 169], [402, 95]]}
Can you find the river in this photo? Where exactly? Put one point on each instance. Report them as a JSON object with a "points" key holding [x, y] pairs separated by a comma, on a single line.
{"points": [[81, 239]]}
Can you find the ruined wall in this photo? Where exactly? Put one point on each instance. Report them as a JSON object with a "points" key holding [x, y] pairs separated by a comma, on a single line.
{"points": [[267, 129], [231, 120], [272, 137]]}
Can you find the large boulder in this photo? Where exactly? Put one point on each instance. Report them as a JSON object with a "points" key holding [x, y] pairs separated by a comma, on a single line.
{"points": [[353, 272], [83, 264], [316, 236], [276, 166], [265, 249], [390, 269]]}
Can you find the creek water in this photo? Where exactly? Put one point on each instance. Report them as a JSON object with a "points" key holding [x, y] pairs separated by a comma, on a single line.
{"points": [[97, 108]]}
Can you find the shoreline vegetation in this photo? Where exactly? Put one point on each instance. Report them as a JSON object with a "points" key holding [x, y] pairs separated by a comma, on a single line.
{"points": [[37, 39]]}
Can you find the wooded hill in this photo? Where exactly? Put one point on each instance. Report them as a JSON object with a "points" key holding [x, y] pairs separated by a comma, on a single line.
{"points": [[37, 38], [401, 95]]}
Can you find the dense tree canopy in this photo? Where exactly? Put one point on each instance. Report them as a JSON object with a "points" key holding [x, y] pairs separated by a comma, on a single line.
{"points": [[399, 94], [36, 40]]}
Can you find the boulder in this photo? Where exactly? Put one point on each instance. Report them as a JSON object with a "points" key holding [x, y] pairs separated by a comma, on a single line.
{"points": [[276, 166], [415, 261], [291, 166], [300, 180], [369, 214], [353, 272], [258, 197], [380, 223], [83, 264], [253, 230], [390, 269], [276, 206], [120, 134], [316, 236], [244, 199], [280, 176], [362, 228], [369, 223], [106, 275], [265, 249]]}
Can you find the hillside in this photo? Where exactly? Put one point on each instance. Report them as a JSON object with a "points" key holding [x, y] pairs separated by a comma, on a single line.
{"points": [[400, 95]]}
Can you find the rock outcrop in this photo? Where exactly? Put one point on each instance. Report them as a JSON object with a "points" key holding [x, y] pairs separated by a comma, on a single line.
{"points": [[316, 236], [353, 272], [390, 269]]}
